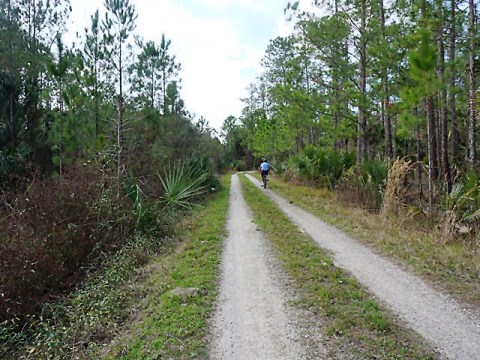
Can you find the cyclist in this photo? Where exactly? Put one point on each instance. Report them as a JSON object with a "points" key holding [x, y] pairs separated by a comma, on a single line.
{"points": [[264, 170]]}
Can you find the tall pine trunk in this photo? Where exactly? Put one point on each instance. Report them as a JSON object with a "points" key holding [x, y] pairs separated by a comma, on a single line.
{"points": [[386, 99], [32, 83], [451, 84], [471, 86], [11, 95], [442, 106], [362, 119], [97, 102], [419, 162], [120, 127], [432, 149], [337, 144]]}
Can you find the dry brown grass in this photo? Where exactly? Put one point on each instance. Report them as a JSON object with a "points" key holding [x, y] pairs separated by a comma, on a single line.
{"points": [[396, 189]]}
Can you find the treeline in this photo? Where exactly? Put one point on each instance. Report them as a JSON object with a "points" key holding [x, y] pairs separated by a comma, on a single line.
{"points": [[92, 136], [362, 83]]}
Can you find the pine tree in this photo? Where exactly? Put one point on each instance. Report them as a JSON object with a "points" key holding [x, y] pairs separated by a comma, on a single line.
{"points": [[93, 55], [472, 118], [118, 25]]}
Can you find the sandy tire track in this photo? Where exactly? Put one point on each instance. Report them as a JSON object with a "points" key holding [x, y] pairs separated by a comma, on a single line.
{"points": [[253, 319], [451, 328]]}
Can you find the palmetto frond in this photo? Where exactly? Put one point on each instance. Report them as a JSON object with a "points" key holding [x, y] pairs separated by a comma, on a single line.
{"points": [[181, 184]]}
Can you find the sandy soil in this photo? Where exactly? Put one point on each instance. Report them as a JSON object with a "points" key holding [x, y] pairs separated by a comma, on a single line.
{"points": [[254, 318], [446, 324]]}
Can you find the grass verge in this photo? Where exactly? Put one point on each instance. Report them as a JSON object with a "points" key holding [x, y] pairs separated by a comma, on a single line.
{"points": [[452, 266], [178, 291], [74, 328], [355, 323]]}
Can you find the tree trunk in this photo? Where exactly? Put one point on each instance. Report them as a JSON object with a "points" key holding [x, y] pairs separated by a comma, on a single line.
{"points": [[419, 164], [386, 99], [442, 106], [97, 101], [164, 93], [432, 149], [152, 89], [362, 119], [451, 85], [60, 145], [120, 129], [11, 96], [338, 143], [471, 86], [32, 86]]}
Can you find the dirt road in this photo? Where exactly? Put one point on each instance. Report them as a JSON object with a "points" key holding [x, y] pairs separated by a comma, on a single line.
{"points": [[253, 319], [446, 324]]}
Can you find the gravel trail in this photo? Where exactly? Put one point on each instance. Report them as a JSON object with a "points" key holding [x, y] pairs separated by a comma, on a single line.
{"points": [[451, 329], [253, 319]]}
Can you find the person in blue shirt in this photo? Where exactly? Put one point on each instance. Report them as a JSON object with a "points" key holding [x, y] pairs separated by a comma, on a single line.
{"points": [[264, 169]]}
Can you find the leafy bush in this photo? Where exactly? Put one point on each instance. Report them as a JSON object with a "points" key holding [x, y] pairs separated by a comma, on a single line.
{"points": [[13, 161], [149, 220], [462, 207], [70, 328], [52, 231], [183, 183], [324, 166], [204, 164], [365, 184], [239, 165]]}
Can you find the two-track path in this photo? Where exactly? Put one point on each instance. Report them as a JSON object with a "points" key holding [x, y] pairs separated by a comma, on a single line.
{"points": [[253, 319], [445, 324]]}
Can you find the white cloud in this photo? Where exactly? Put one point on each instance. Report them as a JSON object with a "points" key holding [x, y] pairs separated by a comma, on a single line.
{"points": [[223, 4], [217, 62], [210, 53]]}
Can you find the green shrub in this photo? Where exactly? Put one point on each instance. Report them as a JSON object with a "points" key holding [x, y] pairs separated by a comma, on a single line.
{"points": [[53, 232], [462, 207], [149, 220], [322, 165], [365, 184], [70, 328], [13, 162], [239, 165], [182, 184]]}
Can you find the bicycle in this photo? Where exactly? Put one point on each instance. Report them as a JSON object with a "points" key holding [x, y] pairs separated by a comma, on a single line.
{"points": [[264, 169], [264, 180]]}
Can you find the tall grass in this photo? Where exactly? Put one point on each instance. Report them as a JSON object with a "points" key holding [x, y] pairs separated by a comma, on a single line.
{"points": [[396, 188]]}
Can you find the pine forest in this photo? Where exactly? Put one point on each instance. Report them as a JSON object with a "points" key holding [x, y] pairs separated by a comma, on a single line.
{"points": [[375, 101]]}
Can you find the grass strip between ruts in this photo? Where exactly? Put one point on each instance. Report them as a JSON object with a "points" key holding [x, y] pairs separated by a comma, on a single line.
{"points": [[454, 266], [355, 323], [179, 291]]}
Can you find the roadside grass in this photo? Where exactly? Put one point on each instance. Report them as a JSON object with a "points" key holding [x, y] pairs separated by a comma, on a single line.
{"points": [[77, 326], [453, 266], [178, 291], [355, 323]]}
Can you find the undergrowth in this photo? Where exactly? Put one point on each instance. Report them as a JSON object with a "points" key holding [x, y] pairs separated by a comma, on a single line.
{"points": [[77, 325], [176, 296], [73, 328]]}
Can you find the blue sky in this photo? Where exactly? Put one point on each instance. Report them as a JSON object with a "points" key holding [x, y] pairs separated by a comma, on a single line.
{"points": [[219, 43]]}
